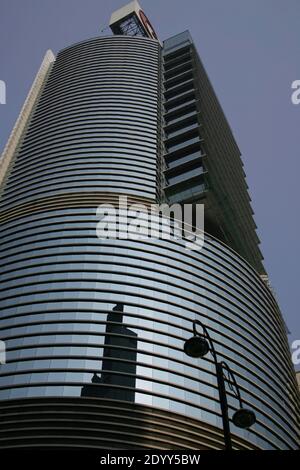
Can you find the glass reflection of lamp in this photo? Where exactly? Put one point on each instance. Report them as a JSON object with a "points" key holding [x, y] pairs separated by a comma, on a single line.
{"points": [[198, 346]]}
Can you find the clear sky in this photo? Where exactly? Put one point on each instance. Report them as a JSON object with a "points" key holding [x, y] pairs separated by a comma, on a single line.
{"points": [[251, 50]]}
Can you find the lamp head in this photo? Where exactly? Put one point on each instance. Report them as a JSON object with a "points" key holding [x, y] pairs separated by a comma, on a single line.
{"points": [[196, 346], [244, 418]]}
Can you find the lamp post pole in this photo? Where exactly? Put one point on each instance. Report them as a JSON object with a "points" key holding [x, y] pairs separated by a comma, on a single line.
{"points": [[198, 346], [224, 406]]}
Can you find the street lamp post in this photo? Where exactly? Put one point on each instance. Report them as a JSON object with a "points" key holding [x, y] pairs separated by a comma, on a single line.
{"points": [[198, 346]]}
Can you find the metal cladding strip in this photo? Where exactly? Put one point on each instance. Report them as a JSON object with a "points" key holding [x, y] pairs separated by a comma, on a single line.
{"points": [[84, 422], [67, 201]]}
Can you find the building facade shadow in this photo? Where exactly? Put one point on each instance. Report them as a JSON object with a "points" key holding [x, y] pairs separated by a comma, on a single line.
{"points": [[118, 376]]}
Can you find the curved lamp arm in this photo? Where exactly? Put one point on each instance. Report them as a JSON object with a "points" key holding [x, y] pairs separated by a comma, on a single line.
{"points": [[232, 382], [206, 335], [231, 378]]}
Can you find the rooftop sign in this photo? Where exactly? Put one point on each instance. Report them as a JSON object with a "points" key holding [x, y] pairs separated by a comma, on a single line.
{"points": [[132, 21]]}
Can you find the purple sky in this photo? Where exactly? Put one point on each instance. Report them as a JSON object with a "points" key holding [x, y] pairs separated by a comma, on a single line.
{"points": [[251, 51]]}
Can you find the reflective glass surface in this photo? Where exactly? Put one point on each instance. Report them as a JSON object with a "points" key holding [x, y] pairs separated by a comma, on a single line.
{"points": [[107, 318]]}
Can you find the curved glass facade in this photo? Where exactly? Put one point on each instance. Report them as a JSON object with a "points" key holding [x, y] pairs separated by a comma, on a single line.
{"points": [[60, 284], [95, 126], [84, 317]]}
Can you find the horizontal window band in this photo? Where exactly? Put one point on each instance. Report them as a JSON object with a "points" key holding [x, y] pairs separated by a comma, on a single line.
{"points": [[164, 258], [234, 294], [157, 355], [101, 102], [108, 88], [89, 408], [96, 122], [109, 50], [248, 303], [72, 170], [88, 199], [98, 198], [84, 111], [95, 85], [62, 165], [263, 327], [154, 381], [88, 114], [87, 290], [143, 391], [155, 367], [96, 155], [266, 354], [83, 137], [91, 131], [86, 142], [80, 176], [124, 186]]}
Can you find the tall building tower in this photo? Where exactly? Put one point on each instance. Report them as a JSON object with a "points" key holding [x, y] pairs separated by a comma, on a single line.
{"points": [[94, 328]]}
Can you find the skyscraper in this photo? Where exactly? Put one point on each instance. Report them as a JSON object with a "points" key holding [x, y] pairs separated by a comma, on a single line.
{"points": [[94, 328]]}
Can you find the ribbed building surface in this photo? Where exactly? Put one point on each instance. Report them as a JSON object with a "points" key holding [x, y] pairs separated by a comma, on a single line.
{"points": [[96, 124], [104, 321]]}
